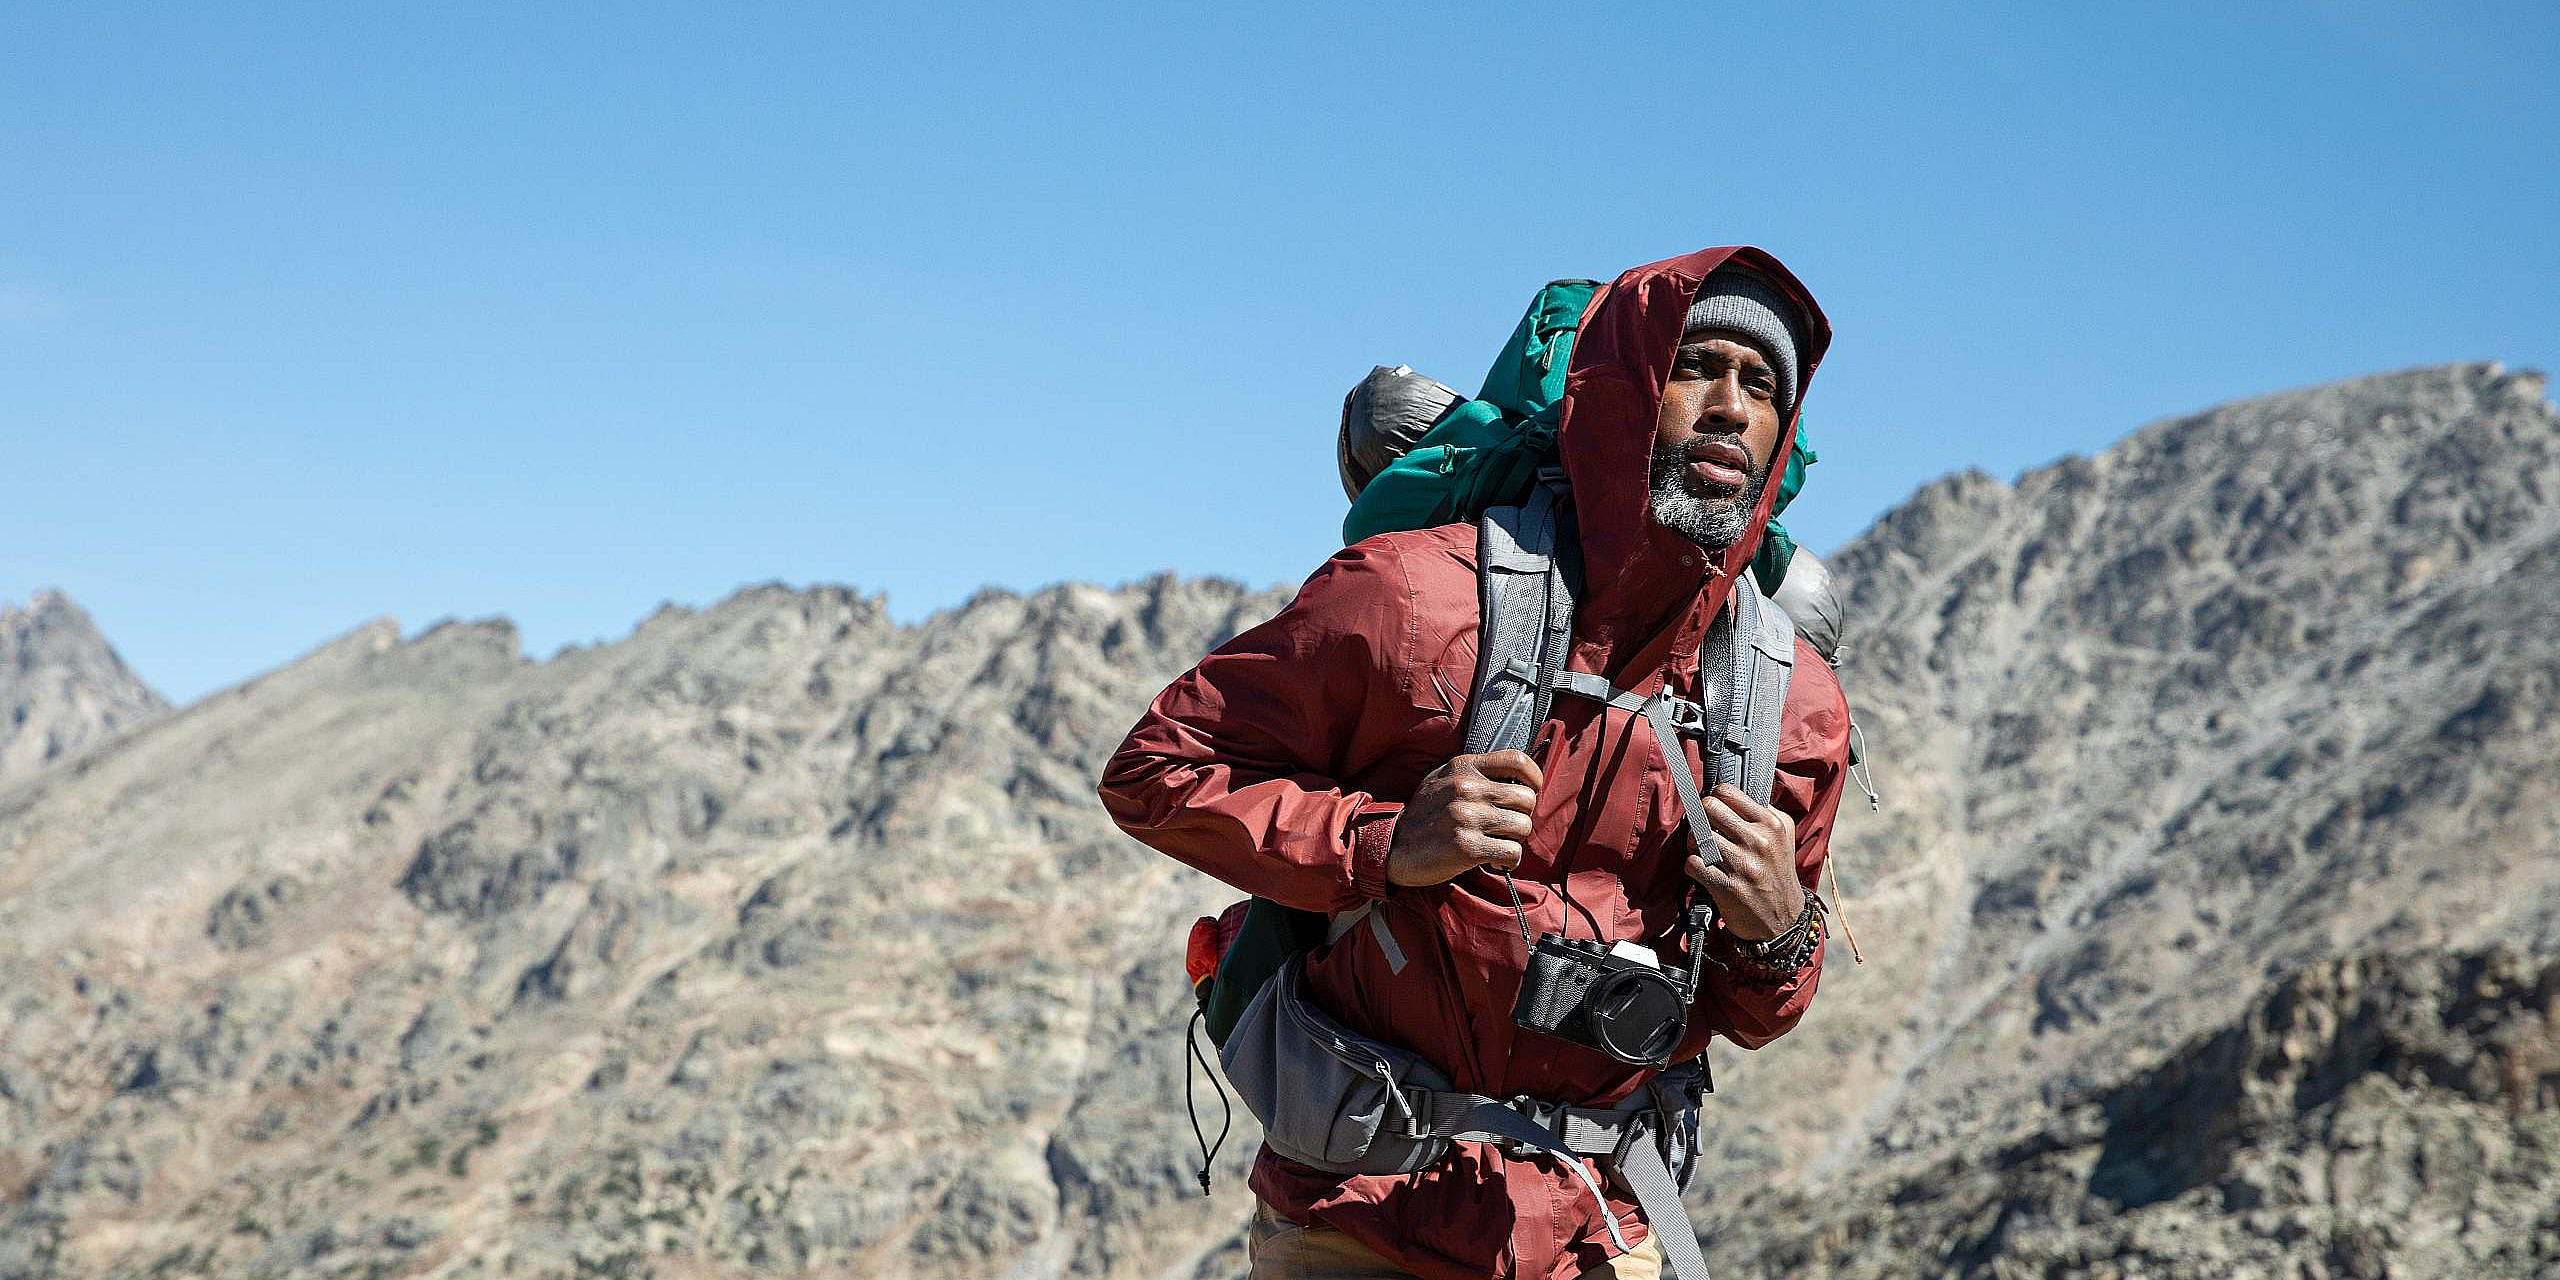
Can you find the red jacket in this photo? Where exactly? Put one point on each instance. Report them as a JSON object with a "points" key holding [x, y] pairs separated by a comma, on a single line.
{"points": [[1280, 762]]}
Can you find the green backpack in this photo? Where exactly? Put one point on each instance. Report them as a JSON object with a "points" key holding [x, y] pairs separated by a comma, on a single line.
{"points": [[1486, 452]]}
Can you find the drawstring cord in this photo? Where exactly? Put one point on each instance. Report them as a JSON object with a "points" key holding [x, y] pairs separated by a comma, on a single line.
{"points": [[1208, 1150], [1832, 864], [1860, 773], [1858, 770]]}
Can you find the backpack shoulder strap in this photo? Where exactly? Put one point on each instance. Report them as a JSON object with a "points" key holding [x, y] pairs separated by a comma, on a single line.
{"points": [[1763, 657], [1526, 580], [1526, 571]]}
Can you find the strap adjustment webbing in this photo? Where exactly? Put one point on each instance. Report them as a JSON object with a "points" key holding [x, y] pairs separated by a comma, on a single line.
{"points": [[1631, 1141], [1686, 716]]}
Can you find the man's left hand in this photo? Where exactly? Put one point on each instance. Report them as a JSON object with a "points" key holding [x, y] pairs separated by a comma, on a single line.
{"points": [[1755, 888]]}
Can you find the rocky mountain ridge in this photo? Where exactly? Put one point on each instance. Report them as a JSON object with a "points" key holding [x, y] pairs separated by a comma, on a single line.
{"points": [[780, 939], [62, 686], [713, 951], [2254, 692]]}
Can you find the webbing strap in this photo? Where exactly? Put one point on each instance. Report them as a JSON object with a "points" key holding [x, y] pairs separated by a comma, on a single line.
{"points": [[1386, 942], [1490, 1120], [1625, 1139], [1343, 922], [1732, 739], [1642, 1169], [1764, 657], [1686, 716], [1693, 807], [1741, 729]]}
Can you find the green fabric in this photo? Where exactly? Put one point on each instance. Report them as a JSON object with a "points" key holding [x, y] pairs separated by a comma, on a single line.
{"points": [[1271, 933], [1487, 451], [1791, 481], [1769, 563], [1777, 550]]}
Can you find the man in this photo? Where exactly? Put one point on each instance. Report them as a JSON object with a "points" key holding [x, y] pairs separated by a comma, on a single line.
{"points": [[1314, 760]]}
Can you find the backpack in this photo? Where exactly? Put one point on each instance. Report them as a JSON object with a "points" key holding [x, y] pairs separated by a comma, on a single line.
{"points": [[1413, 455]]}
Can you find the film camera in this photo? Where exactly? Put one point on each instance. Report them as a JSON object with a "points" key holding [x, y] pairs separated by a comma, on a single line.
{"points": [[1628, 1008]]}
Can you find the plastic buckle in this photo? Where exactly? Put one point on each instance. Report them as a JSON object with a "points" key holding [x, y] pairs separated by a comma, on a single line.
{"points": [[1686, 716], [1546, 1115], [1408, 1099], [1414, 1104]]}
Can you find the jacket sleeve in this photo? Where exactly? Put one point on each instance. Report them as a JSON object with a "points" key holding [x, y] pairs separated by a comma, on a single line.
{"points": [[1236, 768], [1813, 769]]}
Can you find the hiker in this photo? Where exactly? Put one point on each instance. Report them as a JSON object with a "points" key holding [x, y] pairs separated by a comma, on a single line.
{"points": [[1316, 761]]}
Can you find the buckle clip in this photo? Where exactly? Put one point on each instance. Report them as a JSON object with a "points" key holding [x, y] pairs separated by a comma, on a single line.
{"points": [[1546, 1115], [1686, 716], [1417, 1121]]}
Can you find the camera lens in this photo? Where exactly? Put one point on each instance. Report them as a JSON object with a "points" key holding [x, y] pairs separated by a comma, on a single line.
{"points": [[1636, 1016]]}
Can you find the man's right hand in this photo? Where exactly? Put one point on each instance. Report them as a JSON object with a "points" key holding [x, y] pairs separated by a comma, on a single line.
{"points": [[1471, 812]]}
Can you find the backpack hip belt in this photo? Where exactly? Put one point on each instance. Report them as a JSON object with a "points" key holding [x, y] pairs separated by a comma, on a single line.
{"points": [[1634, 1142], [1334, 1099]]}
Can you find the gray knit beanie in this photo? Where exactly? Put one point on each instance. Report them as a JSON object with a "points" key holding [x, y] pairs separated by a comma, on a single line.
{"points": [[1743, 302]]}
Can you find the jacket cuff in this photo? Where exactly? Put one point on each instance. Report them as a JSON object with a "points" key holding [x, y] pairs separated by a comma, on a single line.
{"points": [[1373, 829], [1781, 985]]}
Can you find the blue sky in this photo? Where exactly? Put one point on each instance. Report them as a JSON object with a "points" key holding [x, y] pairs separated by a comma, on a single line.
{"points": [[314, 313]]}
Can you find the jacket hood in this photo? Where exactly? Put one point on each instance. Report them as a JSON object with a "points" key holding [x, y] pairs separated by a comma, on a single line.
{"points": [[1637, 574]]}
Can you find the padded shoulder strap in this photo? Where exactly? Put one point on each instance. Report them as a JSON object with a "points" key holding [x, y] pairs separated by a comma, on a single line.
{"points": [[1525, 585], [1763, 661]]}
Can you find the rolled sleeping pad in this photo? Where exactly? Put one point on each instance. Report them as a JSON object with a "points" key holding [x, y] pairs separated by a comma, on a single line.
{"points": [[1381, 419], [1811, 596]]}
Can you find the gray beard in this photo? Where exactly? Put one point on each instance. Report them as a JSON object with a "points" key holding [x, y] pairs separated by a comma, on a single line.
{"points": [[1712, 523]]}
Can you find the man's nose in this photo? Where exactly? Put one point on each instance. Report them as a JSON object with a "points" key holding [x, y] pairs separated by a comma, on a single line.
{"points": [[1725, 404]]}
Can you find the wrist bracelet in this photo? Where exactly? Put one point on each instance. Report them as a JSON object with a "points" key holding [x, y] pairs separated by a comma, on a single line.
{"points": [[1792, 949]]}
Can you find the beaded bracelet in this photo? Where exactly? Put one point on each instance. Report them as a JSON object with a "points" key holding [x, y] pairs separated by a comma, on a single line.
{"points": [[1792, 949]]}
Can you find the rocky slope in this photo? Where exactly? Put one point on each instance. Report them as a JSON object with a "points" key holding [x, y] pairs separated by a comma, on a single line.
{"points": [[2378, 1116], [2211, 918], [776, 939], [62, 686], [2249, 694]]}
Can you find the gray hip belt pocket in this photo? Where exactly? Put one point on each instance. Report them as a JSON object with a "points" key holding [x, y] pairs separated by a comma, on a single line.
{"points": [[1330, 1097]]}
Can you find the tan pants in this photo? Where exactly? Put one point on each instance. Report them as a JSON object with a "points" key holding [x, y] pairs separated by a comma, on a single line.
{"points": [[1283, 1250]]}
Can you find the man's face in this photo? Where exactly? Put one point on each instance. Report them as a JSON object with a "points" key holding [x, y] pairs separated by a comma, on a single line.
{"points": [[1713, 438]]}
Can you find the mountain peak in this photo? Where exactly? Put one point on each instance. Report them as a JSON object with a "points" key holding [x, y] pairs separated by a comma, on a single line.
{"points": [[62, 686]]}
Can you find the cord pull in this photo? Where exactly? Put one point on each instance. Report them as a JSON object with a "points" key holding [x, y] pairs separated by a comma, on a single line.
{"points": [[1859, 772], [1193, 1056]]}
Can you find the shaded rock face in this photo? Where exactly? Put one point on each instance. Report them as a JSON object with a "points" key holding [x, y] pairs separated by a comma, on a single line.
{"points": [[2385, 1115], [62, 686], [2211, 918]]}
